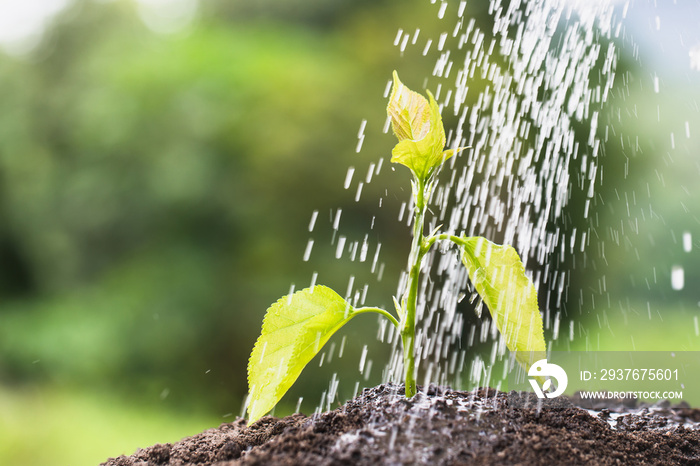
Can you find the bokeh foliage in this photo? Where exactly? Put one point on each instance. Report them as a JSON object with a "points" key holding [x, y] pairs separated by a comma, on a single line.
{"points": [[155, 193]]}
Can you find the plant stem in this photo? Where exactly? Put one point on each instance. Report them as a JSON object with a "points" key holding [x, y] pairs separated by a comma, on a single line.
{"points": [[418, 250], [381, 311], [459, 241]]}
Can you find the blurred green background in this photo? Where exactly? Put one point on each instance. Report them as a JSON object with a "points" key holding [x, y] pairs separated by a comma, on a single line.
{"points": [[159, 167]]}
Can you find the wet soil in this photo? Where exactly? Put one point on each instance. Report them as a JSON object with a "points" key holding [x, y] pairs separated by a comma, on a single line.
{"points": [[447, 427]]}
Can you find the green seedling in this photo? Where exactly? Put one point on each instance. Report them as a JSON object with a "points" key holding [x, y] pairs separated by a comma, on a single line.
{"points": [[297, 326]]}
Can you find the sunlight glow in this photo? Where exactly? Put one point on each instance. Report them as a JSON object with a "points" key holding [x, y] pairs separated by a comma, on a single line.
{"points": [[22, 23]]}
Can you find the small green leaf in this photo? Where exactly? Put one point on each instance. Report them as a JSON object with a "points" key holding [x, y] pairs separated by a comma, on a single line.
{"points": [[294, 330], [499, 277], [417, 124], [409, 112], [397, 306]]}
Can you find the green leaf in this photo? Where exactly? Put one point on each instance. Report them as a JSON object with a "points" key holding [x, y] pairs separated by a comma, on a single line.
{"points": [[294, 330], [417, 124], [499, 277], [409, 112]]}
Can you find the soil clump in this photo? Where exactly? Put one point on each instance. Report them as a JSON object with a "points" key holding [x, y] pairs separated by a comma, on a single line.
{"points": [[447, 427]]}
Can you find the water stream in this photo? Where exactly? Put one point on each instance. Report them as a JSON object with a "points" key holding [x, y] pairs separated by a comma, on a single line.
{"points": [[528, 96]]}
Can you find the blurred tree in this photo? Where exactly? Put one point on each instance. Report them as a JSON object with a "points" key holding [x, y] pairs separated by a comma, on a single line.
{"points": [[156, 189]]}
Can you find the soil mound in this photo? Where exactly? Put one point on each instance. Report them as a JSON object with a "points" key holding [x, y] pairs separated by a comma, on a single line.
{"points": [[446, 427]]}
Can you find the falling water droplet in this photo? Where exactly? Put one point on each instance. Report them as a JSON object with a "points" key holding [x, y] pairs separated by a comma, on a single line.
{"points": [[339, 248], [415, 36], [363, 357], [312, 223], [363, 249], [462, 6], [677, 277], [307, 252], [441, 12], [342, 347], [404, 42], [427, 47], [291, 292], [399, 34], [376, 258], [336, 219], [360, 140], [687, 241], [348, 177], [359, 191]]}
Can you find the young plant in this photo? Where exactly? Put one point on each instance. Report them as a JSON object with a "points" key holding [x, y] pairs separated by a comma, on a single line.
{"points": [[297, 326]]}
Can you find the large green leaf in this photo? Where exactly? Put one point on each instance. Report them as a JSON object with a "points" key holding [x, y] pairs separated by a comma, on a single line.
{"points": [[499, 277], [295, 328]]}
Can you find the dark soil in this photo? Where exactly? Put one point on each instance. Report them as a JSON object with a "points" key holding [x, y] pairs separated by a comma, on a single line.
{"points": [[446, 427]]}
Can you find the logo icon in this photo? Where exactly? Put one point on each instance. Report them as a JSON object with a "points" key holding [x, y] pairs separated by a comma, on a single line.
{"points": [[543, 369]]}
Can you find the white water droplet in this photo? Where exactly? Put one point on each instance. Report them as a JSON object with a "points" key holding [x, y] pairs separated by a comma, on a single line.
{"points": [[427, 47], [348, 177], [687, 241], [441, 42], [312, 223], [399, 33], [386, 95], [368, 369], [336, 219], [291, 292], [677, 277], [361, 132], [307, 252], [376, 258], [363, 250], [387, 125], [342, 346], [351, 284], [694, 54], [441, 12], [370, 172], [402, 210], [363, 357], [360, 140], [404, 42], [339, 248], [359, 192]]}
